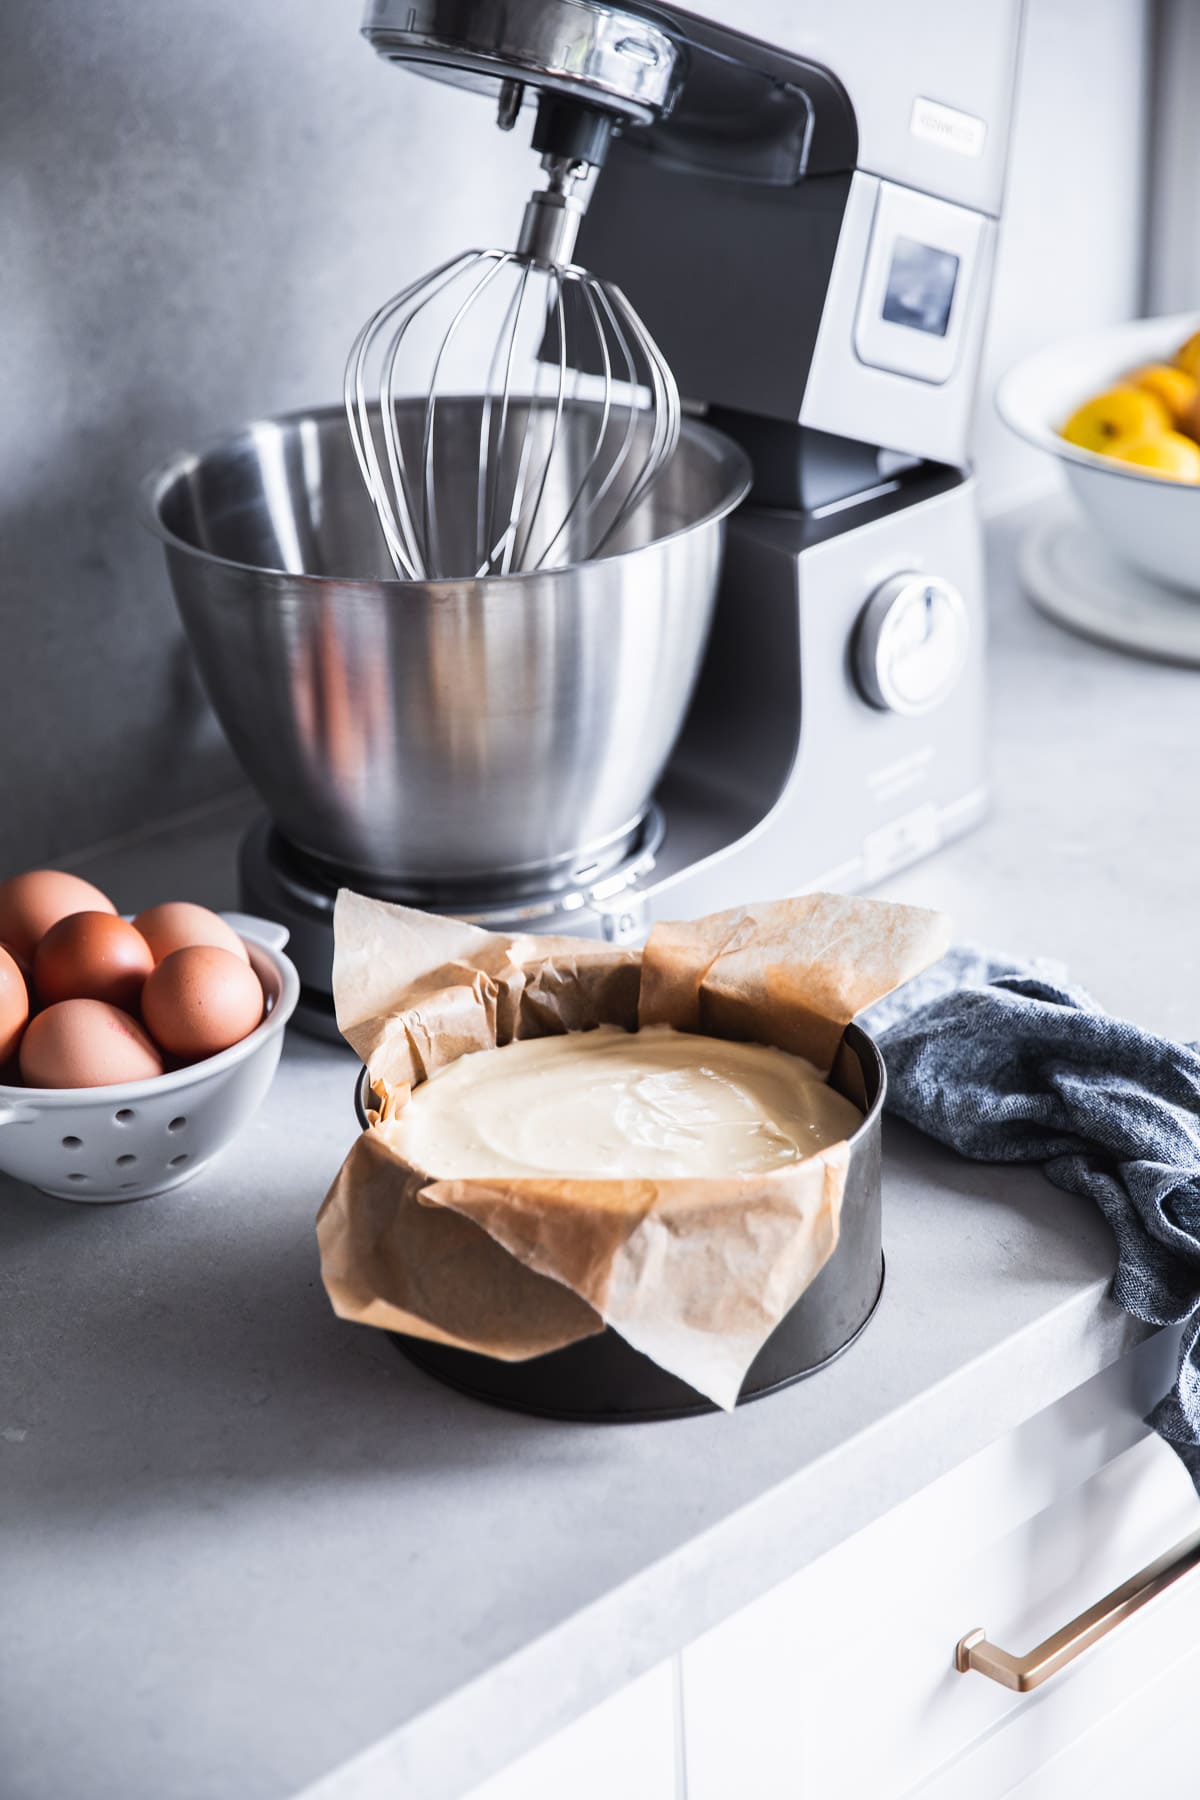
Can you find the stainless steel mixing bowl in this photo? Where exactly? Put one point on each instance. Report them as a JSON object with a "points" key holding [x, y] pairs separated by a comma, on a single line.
{"points": [[434, 737]]}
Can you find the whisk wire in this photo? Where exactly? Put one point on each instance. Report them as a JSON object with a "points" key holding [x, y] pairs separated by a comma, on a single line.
{"points": [[664, 410], [428, 491], [542, 494], [398, 533], [521, 554], [488, 473], [492, 546], [409, 505], [593, 457]]}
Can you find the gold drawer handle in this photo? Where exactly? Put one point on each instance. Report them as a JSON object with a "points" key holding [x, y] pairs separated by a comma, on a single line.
{"points": [[1021, 1673]]}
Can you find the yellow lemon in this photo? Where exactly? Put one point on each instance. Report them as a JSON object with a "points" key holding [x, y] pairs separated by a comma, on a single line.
{"points": [[1188, 355], [1167, 453], [1122, 412], [1176, 388]]}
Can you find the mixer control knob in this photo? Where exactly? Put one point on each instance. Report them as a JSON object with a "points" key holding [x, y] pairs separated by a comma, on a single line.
{"points": [[911, 643]]}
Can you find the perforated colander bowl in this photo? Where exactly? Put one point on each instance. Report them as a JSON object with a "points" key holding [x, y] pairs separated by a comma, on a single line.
{"points": [[144, 1137]]}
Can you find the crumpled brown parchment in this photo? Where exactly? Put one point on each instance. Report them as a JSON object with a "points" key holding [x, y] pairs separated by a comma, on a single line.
{"points": [[694, 1273]]}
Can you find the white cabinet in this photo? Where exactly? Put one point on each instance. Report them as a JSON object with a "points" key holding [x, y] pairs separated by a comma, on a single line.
{"points": [[840, 1684], [1147, 1746], [624, 1749]]}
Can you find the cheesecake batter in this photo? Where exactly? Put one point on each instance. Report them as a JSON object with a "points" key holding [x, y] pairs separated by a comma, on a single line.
{"points": [[620, 1105]]}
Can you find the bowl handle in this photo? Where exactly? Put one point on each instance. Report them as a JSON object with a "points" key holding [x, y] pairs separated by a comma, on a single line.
{"points": [[17, 1112], [260, 931]]}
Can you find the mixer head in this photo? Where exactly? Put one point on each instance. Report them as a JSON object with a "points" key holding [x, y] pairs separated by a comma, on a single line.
{"points": [[581, 51], [578, 411]]}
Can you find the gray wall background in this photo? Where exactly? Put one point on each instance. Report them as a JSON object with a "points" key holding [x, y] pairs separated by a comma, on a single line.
{"points": [[199, 204]]}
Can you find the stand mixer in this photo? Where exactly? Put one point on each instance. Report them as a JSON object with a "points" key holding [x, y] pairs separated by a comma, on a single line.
{"points": [[805, 222]]}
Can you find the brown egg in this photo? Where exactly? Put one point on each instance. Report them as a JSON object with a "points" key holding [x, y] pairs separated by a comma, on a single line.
{"points": [[14, 1007], [200, 1000], [31, 903], [86, 1043], [178, 924], [92, 956]]}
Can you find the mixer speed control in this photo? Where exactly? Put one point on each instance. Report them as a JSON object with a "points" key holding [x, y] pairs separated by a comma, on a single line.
{"points": [[911, 643]]}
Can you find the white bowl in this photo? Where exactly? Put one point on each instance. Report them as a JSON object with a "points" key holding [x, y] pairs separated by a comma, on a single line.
{"points": [[1151, 522], [142, 1137]]}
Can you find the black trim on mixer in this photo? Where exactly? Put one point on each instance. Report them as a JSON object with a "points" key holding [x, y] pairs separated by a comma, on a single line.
{"points": [[568, 128], [756, 157], [746, 110]]}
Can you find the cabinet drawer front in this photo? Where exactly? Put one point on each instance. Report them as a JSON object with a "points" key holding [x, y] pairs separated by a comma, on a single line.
{"points": [[1150, 1741], [1144, 1744], [841, 1683]]}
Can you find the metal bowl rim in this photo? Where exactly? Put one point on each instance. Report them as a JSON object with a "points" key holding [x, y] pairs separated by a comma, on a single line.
{"points": [[154, 485], [861, 1040]]}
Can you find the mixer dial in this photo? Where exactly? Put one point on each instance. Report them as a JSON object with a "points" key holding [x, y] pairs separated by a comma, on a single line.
{"points": [[911, 643]]}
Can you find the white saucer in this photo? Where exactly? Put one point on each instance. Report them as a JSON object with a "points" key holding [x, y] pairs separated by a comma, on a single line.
{"points": [[1074, 579]]}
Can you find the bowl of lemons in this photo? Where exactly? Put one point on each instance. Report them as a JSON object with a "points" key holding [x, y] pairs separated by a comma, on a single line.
{"points": [[1120, 410]]}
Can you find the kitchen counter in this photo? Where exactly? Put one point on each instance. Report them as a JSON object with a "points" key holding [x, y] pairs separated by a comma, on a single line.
{"points": [[250, 1550]]}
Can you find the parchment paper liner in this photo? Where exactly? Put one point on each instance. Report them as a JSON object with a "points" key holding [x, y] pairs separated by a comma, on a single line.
{"points": [[696, 1274]]}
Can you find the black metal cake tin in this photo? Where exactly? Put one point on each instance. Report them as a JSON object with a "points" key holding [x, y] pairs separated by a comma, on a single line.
{"points": [[603, 1378]]}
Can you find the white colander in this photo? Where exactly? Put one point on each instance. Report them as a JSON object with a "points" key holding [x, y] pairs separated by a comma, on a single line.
{"points": [[143, 1137]]}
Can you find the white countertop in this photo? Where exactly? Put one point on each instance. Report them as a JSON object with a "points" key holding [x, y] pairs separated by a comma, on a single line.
{"points": [[247, 1547]]}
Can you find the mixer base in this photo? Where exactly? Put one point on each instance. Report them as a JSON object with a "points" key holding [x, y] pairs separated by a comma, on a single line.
{"points": [[276, 881]]}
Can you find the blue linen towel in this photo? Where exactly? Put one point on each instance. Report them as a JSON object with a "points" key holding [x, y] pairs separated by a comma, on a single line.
{"points": [[1004, 1062]]}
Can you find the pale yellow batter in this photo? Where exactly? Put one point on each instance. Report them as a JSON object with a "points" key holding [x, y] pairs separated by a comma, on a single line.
{"points": [[621, 1105]]}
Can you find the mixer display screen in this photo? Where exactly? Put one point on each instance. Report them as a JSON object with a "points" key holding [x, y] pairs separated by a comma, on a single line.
{"points": [[920, 287]]}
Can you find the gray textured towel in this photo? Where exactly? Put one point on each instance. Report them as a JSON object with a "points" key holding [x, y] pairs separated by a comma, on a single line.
{"points": [[1005, 1063]]}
